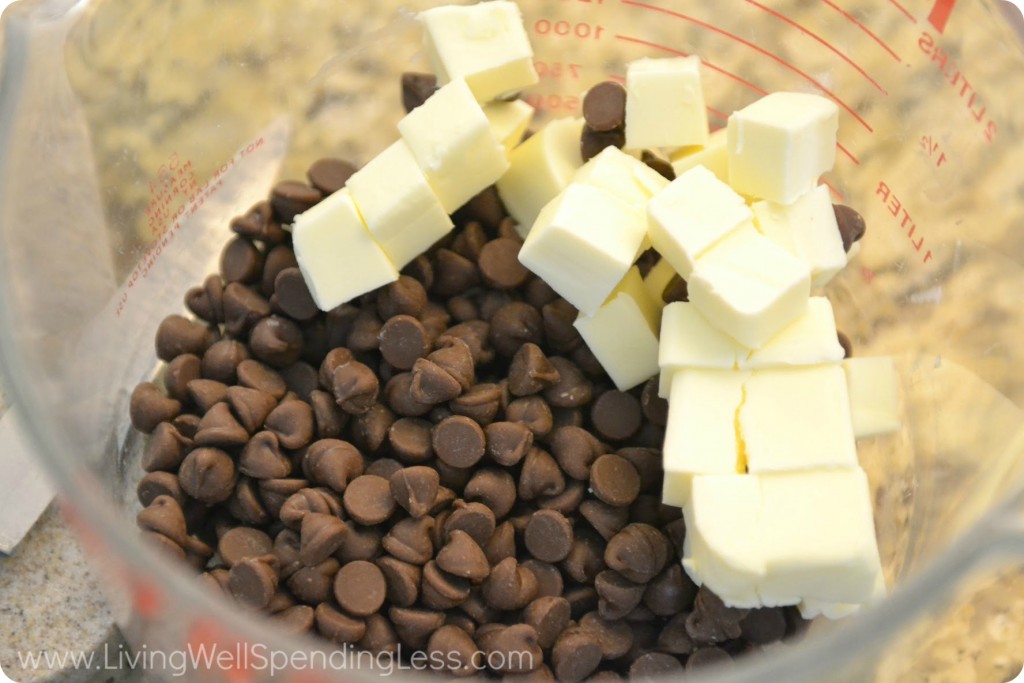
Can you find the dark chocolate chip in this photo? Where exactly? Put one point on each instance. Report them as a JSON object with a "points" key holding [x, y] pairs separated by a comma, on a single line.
{"points": [[463, 557], [276, 341], [593, 142], [513, 325], [499, 264], [659, 165], [164, 516], [575, 449], [262, 458], [333, 463], [403, 339], [148, 407], [242, 542], [355, 387], [453, 273], [293, 295], [639, 552], [458, 441], [540, 476], [409, 540], [851, 225], [329, 175], [360, 588], [455, 650], [314, 585], [253, 580], [494, 488], [289, 198], [402, 579], [404, 296], [337, 626], [208, 474], [548, 536], [614, 480], [165, 449], [654, 666], [514, 650], [576, 654], [220, 362], [417, 89], [241, 261], [292, 422], [415, 489], [256, 375], [671, 592], [616, 415], [368, 499], [178, 373], [250, 406], [604, 106]]}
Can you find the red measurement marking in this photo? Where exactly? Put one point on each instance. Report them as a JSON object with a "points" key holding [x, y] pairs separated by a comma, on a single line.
{"points": [[666, 48], [717, 114], [852, 19], [903, 11], [940, 14], [810, 79], [821, 40], [895, 207], [848, 153], [835, 193], [617, 79]]}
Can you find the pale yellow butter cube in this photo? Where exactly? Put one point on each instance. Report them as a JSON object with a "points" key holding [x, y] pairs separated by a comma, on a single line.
{"points": [[623, 335], [713, 156], [701, 435], [691, 215], [485, 43], [665, 103], [797, 419], [689, 341], [749, 287], [539, 169], [400, 209], [582, 244], [781, 144], [811, 339], [630, 179], [874, 395], [509, 121], [818, 538], [724, 548], [811, 608], [454, 145], [338, 258], [807, 229]]}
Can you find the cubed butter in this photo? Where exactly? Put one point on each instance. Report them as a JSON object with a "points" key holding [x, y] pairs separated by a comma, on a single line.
{"points": [[797, 419], [509, 121], [665, 103], [749, 287], [623, 335], [723, 547], [400, 209], [818, 537], [713, 156], [701, 435], [687, 340], [582, 244], [612, 170], [485, 43], [811, 339], [874, 395], [811, 608], [658, 279], [691, 215], [781, 144], [807, 229], [454, 145], [338, 258], [539, 169]]}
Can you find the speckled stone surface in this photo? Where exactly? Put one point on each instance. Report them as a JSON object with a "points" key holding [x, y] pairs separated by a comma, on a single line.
{"points": [[51, 603]]}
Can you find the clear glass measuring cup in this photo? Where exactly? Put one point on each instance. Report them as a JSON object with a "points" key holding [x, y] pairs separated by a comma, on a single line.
{"points": [[131, 131]]}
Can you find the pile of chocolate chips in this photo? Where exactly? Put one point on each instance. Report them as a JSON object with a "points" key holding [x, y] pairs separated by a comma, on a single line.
{"points": [[441, 465]]}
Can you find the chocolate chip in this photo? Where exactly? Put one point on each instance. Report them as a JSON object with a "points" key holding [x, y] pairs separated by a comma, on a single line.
{"points": [[458, 441], [417, 89], [670, 592], [255, 375], [463, 557], [593, 142], [404, 296], [494, 488], [289, 198], [585, 559], [558, 318], [706, 656], [165, 448], [187, 425], [851, 225], [764, 626], [469, 241], [292, 423], [549, 536], [329, 175], [572, 390], [337, 626], [676, 290], [584, 358], [514, 649], [530, 371], [402, 579], [360, 588], [576, 654], [566, 502], [243, 308], [314, 585], [409, 540], [415, 489], [361, 543], [614, 480], [480, 403], [513, 325], [549, 616], [532, 411], [297, 619], [654, 665], [454, 649], [398, 394], [475, 519], [241, 261], [148, 407], [432, 384], [453, 273], [333, 463], [508, 442], [163, 544], [368, 499], [380, 636], [329, 419], [245, 504], [321, 535], [207, 474], [276, 341], [307, 500], [582, 599], [638, 552], [616, 415], [206, 301], [509, 586], [673, 638], [355, 387], [654, 408], [614, 636], [604, 106], [475, 334], [253, 580], [575, 449], [415, 626], [164, 516], [486, 208], [278, 258], [502, 543], [243, 542], [293, 295], [250, 406], [540, 476], [711, 622], [157, 484], [301, 379], [219, 427], [499, 264], [178, 373], [441, 590], [370, 429], [659, 165], [844, 341], [403, 339], [409, 438], [618, 595]]}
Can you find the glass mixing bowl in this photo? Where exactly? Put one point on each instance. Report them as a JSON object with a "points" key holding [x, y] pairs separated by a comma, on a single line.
{"points": [[132, 130]]}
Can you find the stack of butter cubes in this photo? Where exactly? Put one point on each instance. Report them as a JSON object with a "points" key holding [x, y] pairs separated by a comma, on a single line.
{"points": [[760, 445], [450, 148]]}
